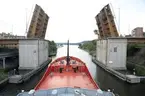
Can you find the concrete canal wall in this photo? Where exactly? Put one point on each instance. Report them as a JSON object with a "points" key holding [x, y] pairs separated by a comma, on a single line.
{"points": [[33, 56], [24, 77], [124, 77]]}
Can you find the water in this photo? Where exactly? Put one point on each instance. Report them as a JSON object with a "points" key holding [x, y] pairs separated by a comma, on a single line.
{"points": [[14, 89], [103, 79]]}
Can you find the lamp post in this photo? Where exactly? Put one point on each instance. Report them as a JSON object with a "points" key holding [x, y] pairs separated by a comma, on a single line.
{"points": [[119, 19]]}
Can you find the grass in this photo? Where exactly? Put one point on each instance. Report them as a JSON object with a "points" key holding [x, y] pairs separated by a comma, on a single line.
{"points": [[140, 70], [3, 74]]}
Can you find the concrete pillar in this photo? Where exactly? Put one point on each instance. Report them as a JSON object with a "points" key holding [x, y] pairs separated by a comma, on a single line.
{"points": [[4, 63]]}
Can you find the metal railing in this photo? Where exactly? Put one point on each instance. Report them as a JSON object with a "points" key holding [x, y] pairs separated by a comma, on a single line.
{"points": [[8, 54]]}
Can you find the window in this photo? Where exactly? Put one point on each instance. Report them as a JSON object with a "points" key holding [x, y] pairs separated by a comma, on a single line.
{"points": [[115, 49]]}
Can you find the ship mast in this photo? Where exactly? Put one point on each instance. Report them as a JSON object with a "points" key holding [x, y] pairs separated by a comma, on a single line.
{"points": [[67, 58]]}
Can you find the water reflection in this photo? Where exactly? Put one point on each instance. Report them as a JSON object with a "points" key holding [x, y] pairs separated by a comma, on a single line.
{"points": [[104, 79], [83, 55], [14, 89], [107, 81]]}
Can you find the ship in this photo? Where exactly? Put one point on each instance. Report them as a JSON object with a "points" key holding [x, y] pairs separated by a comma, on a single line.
{"points": [[67, 76]]}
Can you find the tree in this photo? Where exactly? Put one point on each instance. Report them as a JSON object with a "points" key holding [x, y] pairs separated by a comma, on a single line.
{"points": [[52, 47]]}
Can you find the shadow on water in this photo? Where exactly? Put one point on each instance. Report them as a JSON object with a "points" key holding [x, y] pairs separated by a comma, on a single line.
{"points": [[14, 89], [107, 81]]}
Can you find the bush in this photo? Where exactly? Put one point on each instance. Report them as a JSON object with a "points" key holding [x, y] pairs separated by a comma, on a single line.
{"points": [[132, 49], [130, 66], [3, 74], [89, 46], [140, 70], [52, 47]]}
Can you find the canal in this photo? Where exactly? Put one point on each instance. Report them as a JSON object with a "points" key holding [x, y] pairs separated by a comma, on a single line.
{"points": [[103, 79]]}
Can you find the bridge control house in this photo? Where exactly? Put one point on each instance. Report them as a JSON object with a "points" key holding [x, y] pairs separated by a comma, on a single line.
{"points": [[112, 52], [31, 52]]}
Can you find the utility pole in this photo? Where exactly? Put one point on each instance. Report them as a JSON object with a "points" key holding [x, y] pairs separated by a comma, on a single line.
{"points": [[129, 28], [26, 22], [12, 29], [119, 19]]}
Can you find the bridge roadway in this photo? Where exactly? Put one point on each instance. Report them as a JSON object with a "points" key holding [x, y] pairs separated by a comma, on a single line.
{"points": [[8, 54], [4, 55]]}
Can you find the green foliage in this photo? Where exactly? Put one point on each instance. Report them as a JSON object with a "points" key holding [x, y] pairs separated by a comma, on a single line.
{"points": [[52, 47], [140, 70], [3, 74], [89, 46], [130, 66], [132, 49], [136, 55]]}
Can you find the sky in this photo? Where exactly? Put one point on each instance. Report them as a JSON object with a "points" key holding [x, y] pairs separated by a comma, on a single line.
{"points": [[70, 19]]}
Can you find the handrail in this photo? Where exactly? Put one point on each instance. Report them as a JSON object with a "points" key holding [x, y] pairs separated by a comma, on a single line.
{"points": [[8, 54]]}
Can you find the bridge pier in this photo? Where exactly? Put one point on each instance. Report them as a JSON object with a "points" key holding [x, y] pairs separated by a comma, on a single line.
{"points": [[4, 63]]}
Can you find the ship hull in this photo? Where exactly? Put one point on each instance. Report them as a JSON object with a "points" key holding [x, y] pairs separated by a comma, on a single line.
{"points": [[59, 74]]}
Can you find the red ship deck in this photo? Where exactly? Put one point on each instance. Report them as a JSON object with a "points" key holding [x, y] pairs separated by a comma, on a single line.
{"points": [[53, 78], [67, 80]]}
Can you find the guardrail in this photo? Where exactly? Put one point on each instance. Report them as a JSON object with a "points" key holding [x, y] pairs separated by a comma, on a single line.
{"points": [[8, 54]]}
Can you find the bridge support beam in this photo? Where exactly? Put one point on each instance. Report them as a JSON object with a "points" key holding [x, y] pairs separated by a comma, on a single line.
{"points": [[4, 63]]}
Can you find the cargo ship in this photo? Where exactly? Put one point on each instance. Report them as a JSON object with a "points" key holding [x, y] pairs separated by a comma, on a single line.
{"points": [[67, 76]]}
